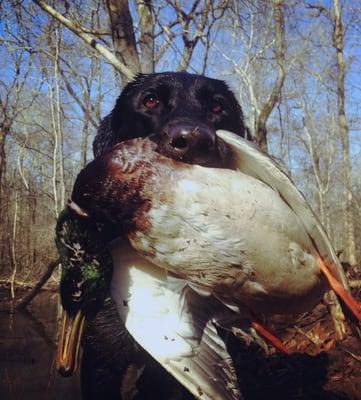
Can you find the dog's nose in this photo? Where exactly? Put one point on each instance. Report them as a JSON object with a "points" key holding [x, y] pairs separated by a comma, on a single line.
{"points": [[184, 138]]}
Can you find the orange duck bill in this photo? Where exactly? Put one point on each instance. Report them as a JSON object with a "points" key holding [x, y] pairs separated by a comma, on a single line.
{"points": [[69, 341]]}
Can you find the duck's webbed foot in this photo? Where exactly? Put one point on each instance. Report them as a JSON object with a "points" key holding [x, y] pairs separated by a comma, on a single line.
{"points": [[352, 304], [259, 334]]}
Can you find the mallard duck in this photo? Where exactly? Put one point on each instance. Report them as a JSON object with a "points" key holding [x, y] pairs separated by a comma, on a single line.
{"points": [[204, 247]]}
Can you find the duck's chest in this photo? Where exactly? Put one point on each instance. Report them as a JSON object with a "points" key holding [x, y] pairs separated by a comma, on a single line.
{"points": [[226, 231]]}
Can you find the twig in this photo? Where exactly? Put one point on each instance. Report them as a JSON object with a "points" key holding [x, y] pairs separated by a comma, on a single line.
{"points": [[24, 302]]}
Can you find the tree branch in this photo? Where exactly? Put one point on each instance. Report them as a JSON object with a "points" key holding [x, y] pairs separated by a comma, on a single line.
{"points": [[24, 302], [102, 50], [261, 131]]}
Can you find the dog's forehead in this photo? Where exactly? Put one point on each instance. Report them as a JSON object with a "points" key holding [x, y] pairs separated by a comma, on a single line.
{"points": [[183, 82]]}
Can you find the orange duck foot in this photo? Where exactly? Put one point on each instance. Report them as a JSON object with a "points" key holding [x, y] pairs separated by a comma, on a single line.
{"points": [[270, 337], [347, 298]]}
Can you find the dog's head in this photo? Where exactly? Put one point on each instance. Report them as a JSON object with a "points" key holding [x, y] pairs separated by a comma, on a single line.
{"points": [[179, 111]]}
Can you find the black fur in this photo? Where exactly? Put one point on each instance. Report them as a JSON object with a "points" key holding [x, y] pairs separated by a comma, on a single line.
{"points": [[182, 97], [185, 101]]}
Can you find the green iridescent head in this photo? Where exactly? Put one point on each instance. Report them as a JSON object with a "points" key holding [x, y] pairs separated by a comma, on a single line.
{"points": [[86, 264]]}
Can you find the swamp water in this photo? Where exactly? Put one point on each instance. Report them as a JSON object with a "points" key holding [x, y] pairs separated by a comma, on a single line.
{"points": [[27, 350]]}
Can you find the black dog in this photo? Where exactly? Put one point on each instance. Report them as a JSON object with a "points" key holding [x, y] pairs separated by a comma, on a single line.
{"points": [[181, 113]]}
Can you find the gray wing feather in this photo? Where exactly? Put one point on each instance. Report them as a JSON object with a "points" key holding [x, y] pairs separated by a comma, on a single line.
{"points": [[175, 324], [249, 159]]}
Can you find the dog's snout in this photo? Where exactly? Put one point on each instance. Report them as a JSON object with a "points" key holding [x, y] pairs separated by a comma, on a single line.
{"points": [[185, 138]]}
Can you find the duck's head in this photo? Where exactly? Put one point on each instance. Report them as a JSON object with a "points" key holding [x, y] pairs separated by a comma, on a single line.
{"points": [[86, 272]]}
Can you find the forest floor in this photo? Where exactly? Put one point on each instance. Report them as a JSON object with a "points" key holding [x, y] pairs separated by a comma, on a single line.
{"points": [[320, 367]]}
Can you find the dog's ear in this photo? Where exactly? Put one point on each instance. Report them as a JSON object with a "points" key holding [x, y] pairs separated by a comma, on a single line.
{"points": [[104, 139], [235, 121], [124, 122]]}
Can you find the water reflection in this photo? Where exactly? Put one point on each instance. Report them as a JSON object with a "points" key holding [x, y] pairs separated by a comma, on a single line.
{"points": [[27, 348]]}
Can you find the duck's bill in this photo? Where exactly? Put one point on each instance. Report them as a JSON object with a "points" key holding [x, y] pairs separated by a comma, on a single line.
{"points": [[69, 343]]}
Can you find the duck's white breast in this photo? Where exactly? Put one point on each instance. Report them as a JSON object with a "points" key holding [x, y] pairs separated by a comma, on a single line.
{"points": [[222, 228]]}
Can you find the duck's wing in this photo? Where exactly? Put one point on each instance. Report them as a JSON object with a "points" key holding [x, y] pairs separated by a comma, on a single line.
{"points": [[175, 323], [249, 159]]}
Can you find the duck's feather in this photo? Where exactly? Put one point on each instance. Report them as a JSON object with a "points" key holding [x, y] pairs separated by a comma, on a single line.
{"points": [[232, 238], [175, 323], [250, 160], [234, 235]]}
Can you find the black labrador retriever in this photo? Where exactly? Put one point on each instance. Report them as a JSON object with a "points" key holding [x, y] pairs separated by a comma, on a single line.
{"points": [[181, 113]]}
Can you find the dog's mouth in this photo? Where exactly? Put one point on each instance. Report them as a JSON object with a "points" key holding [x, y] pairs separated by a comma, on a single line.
{"points": [[190, 152]]}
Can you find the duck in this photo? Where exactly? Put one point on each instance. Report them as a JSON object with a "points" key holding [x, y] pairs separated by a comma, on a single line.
{"points": [[197, 248]]}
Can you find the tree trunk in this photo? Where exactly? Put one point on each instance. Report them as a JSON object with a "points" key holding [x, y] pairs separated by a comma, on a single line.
{"points": [[89, 39], [55, 153], [34, 203], [322, 174], [84, 141], [121, 25], [261, 129], [13, 248], [59, 130], [4, 131], [349, 230], [146, 25]]}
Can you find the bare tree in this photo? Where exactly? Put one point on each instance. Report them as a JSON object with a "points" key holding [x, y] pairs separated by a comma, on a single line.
{"points": [[257, 43], [71, 78], [90, 38], [133, 49], [322, 154], [122, 30], [338, 42], [12, 104], [146, 40], [268, 106], [190, 37]]}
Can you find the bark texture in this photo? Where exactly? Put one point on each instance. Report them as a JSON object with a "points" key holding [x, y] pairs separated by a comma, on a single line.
{"points": [[349, 229], [261, 129]]}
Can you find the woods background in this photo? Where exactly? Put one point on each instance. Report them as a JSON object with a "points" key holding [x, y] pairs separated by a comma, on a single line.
{"points": [[295, 67]]}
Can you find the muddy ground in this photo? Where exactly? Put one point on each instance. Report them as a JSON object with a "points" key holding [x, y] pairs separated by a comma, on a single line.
{"points": [[321, 366]]}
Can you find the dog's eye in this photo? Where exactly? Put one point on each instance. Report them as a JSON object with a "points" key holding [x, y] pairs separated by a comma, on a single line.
{"points": [[217, 106], [150, 101]]}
